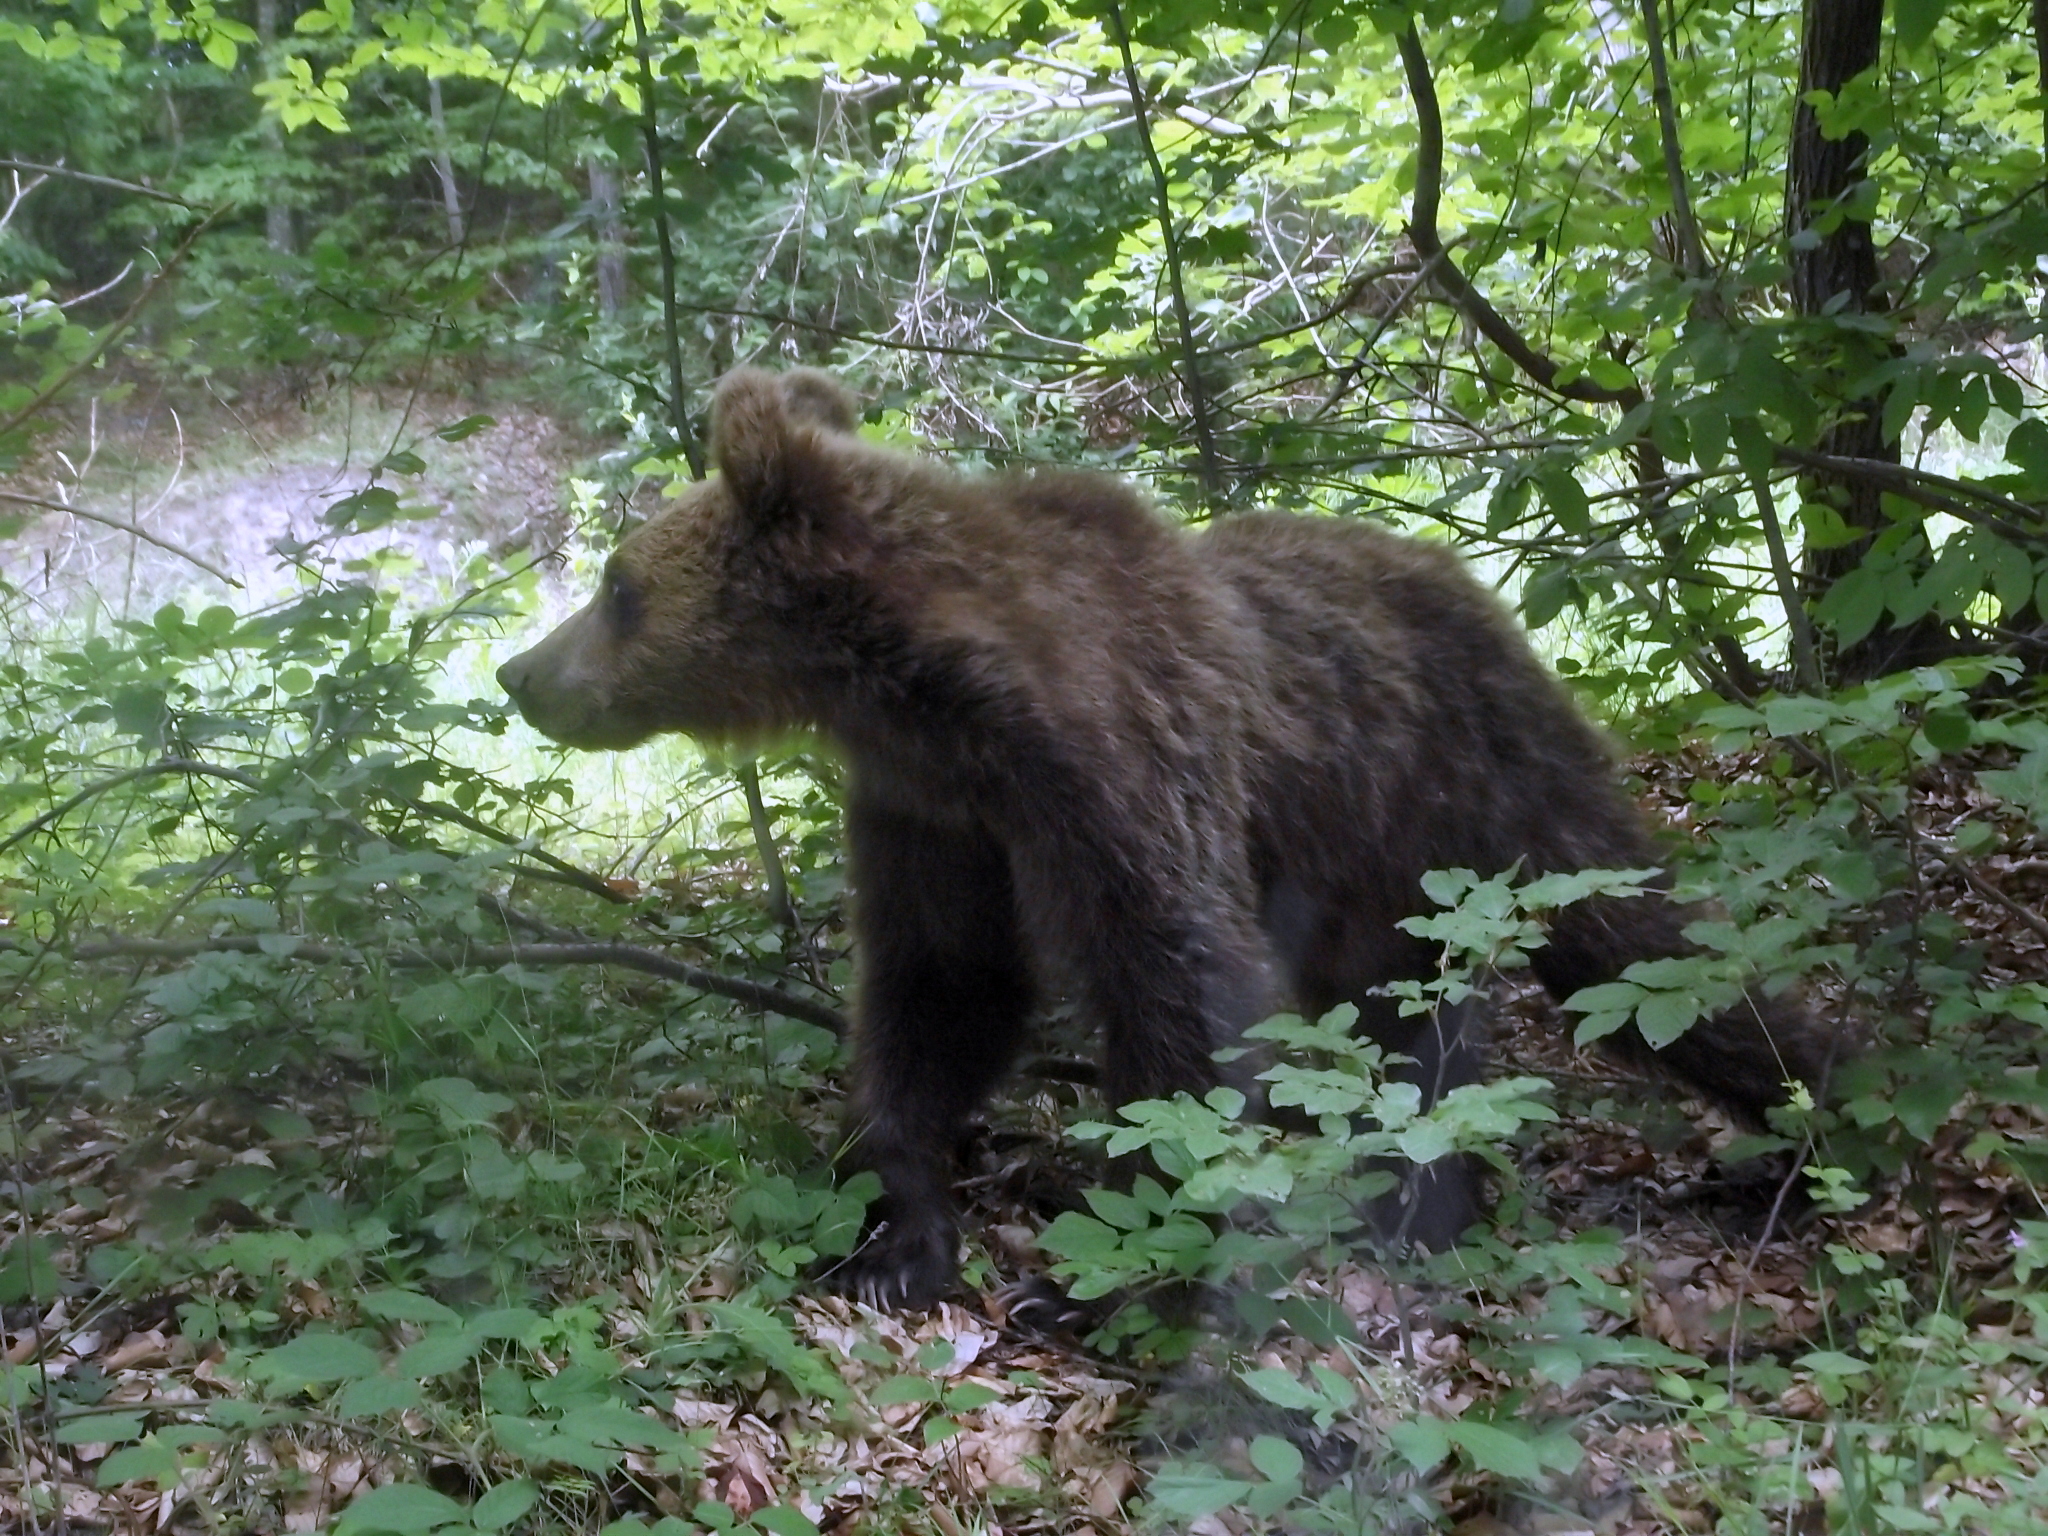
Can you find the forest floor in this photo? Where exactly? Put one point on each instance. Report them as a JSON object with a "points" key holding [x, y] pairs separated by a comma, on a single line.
{"points": [[948, 1422], [1053, 1438]]}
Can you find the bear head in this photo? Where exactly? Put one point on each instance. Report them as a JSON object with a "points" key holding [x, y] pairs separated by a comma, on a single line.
{"points": [[690, 629]]}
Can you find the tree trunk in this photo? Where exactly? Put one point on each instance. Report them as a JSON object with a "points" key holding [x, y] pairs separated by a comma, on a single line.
{"points": [[1837, 273], [444, 164], [611, 236], [277, 213]]}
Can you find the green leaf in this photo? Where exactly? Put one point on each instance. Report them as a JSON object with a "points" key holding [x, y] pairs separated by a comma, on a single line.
{"points": [[1506, 1453], [438, 1352], [514, 1324], [1853, 605], [374, 1396], [784, 1521], [1924, 1101], [400, 1509], [396, 1306], [100, 1429], [970, 1395], [1422, 1442], [318, 1357], [469, 426], [1664, 1016], [1915, 20], [1829, 1362], [1796, 715], [1276, 1458], [501, 1505], [1190, 1491], [149, 1462], [1281, 1388], [1948, 731], [461, 1103]]}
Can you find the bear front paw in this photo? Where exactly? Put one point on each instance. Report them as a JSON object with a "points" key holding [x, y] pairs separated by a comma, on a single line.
{"points": [[899, 1265]]}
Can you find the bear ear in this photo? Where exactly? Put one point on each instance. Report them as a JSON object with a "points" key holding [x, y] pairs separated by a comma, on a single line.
{"points": [[750, 439], [816, 399], [764, 434]]}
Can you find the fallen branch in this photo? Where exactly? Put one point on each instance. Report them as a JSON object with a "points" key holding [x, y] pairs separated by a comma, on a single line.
{"points": [[410, 957]]}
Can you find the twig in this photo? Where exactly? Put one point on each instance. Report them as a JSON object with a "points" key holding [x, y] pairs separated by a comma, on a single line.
{"points": [[118, 524], [1992, 893], [1191, 356], [410, 957], [1422, 234], [18, 196]]}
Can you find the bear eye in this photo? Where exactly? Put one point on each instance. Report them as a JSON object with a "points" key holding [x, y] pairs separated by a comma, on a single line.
{"points": [[623, 600]]}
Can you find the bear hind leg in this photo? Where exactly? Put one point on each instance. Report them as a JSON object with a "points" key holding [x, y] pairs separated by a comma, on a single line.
{"points": [[1340, 951]]}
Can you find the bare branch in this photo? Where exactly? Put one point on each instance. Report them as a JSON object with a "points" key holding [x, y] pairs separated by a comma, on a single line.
{"points": [[18, 196], [1917, 485], [650, 131], [780, 907]]}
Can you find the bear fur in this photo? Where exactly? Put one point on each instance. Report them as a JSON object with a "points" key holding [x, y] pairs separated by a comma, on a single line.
{"points": [[1193, 775]]}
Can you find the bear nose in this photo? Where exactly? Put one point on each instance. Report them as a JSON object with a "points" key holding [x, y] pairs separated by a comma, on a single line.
{"points": [[512, 676]]}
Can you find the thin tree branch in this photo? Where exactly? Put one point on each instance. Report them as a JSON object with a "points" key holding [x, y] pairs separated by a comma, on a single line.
{"points": [[780, 907], [1198, 394], [1422, 234], [118, 524], [1692, 251], [97, 181], [893, 344], [650, 132], [1919, 485], [410, 957], [92, 791], [1805, 662], [559, 870]]}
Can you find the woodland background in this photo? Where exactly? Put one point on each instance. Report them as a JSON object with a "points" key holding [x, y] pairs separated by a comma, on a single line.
{"points": [[411, 1128]]}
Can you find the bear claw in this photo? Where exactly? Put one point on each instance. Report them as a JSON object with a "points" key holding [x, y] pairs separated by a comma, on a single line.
{"points": [[897, 1268]]}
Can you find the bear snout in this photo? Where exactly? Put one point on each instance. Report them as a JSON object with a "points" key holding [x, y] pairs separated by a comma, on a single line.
{"points": [[512, 677]]}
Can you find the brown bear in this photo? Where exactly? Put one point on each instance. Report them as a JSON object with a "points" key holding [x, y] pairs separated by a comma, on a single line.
{"points": [[1191, 775]]}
